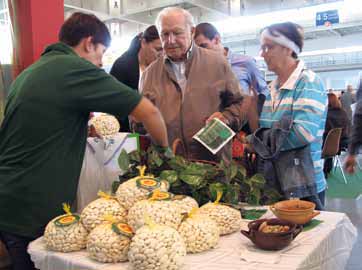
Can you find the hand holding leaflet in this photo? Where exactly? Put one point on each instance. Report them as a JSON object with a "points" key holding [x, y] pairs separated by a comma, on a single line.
{"points": [[214, 135]]}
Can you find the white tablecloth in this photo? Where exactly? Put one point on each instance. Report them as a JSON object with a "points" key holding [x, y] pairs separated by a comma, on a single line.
{"points": [[327, 246]]}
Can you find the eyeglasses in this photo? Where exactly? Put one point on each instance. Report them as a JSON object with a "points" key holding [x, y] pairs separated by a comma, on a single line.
{"points": [[175, 34], [266, 47]]}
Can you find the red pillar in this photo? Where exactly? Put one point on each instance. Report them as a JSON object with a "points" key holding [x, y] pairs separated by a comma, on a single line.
{"points": [[37, 25]]}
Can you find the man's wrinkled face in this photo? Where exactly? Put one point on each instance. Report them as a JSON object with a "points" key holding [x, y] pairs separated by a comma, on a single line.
{"points": [[204, 42], [175, 36]]}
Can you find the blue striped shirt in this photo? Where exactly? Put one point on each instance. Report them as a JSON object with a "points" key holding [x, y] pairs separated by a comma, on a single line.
{"points": [[309, 114]]}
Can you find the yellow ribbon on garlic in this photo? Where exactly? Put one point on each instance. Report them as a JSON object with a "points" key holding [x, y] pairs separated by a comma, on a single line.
{"points": [[218, 197], [66, 208], [105, 195]]}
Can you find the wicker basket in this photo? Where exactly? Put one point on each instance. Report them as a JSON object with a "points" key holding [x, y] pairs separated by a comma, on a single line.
{"points": [[179, 149]]}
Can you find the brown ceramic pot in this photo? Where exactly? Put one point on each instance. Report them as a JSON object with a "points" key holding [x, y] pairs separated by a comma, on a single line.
{"points": [[272, 241]]}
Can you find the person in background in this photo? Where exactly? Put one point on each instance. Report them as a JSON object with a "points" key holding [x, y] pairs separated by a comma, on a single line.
{"points": [[336, 118], [347, 99], [243, 66], [359, 87], [143, 50], [355, 140], [296, 92], [43, 135], [191, 85]]}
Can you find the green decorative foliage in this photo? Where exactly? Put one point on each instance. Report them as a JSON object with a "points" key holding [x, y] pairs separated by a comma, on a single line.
{"points": [[115, 186], [214, 188], [154, 158], [178, 163], [311, 224], [135, 156], [123, 160], [170, 176], [201, 180], [253, 214]]}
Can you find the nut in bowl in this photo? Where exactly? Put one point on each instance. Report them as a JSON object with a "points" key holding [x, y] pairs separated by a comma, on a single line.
{"points": [[272, 234], [296, 211]]}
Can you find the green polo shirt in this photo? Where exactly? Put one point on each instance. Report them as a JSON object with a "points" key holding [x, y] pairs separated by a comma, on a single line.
{"points": [[43, 135]]}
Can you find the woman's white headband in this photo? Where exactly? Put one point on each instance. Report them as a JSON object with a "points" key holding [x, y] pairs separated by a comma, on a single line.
{"points": [[280, 39]]}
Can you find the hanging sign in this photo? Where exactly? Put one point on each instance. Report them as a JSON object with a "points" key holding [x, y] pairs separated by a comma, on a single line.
{"points": [[327, 18]]}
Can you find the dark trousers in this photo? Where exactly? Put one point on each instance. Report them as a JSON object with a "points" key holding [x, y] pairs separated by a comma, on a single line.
{"points": [[328, 165], [17, 248], [318, 199], [322, 197]]}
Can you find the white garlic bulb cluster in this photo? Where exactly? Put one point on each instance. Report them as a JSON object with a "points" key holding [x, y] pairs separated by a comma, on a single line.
{"points": [[65, 234], [93, 214], [137, 189], [109, 242], [156, 248], [105, 124], [227, 218], [185, 203], [161, 212], [199, 232]]}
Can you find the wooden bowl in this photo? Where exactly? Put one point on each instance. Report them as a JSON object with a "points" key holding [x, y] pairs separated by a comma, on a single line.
{"points": [[296, 211], [272, 241]]}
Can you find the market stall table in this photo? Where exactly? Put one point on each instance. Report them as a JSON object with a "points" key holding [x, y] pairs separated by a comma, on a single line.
{"points": [[326, 246]]}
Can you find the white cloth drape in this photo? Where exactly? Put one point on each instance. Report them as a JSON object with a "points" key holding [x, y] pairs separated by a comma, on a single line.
{"points": [[325, 247]]}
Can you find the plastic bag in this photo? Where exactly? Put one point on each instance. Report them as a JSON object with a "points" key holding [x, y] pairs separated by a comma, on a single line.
{"points": [[113, 148], [100, 165], [92, 177]]}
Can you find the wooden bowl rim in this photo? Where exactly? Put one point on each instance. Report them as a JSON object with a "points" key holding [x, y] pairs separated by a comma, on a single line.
{"points": [[292, 226], [277, 206]]}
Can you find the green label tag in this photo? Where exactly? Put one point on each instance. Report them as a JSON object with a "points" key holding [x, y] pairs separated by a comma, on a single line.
{"points": [[148, 183], [160, 196], [122, 229], [66, 220]]}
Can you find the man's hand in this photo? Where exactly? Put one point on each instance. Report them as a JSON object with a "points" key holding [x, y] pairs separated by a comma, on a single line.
{"points": [[350, 164], [92, 132], [219, 116], [152, 120], [91, 129]]}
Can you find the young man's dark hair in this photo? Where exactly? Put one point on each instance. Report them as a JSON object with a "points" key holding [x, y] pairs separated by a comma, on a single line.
{"points": [[206, 29], [81, 25], [41, 161]]}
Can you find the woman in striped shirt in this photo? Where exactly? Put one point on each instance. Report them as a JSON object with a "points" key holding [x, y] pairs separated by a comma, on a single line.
{"points": [[298, 88]]}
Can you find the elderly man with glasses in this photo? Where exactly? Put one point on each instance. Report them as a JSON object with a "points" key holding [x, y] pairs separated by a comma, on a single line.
{"points": [[191, 85]]}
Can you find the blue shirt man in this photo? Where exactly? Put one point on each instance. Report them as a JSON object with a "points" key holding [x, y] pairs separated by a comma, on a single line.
{"points": [[243, 66]]}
